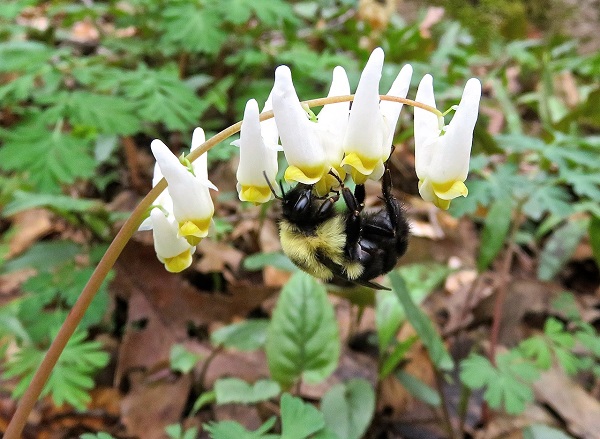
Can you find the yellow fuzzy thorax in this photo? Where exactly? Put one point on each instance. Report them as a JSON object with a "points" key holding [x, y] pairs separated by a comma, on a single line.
{"points": [[328, 239]]}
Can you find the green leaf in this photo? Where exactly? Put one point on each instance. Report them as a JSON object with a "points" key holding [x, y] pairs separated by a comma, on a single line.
{"points": [[248, 335], [183, 360], [71, 378], [233, 430], [299, 419], [235, 390], [108, 114], [555, 344], [507, 386], [494, 232], [176, 431], [541, 431], [204, 399], [422, 325], [303, 337], [270, 12], [560, 247], [392, 360], [99, 435], [389, 315], [43, 256], [193, 27], [348, 408], [160, 96], [594, 232], [278, 260], [50, 159], [548, 198], [30, 200], [419, 389]]}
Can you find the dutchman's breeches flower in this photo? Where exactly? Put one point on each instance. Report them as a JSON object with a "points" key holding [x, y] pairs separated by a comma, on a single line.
{"points": [[173, 251], [301, 146], [257, 160], [442, 156], [331, 128], [371, 125], [192, 205]]}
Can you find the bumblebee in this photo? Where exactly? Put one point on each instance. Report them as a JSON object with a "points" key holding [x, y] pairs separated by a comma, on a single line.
{"points": [[352, 247]]}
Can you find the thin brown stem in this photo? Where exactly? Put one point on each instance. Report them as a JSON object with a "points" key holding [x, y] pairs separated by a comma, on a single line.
{"points": [[439, 381], [29, 398], [502, 288]]}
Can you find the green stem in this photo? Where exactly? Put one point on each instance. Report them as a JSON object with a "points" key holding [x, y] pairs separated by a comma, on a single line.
{"points": [[29, 398]]}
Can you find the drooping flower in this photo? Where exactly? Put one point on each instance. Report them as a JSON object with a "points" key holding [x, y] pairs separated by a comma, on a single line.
{"points": [[301, 145], [331, 126], [371, 124], [257, 160], [442, 156], [173, 251], [163, 201], [192, 205]]}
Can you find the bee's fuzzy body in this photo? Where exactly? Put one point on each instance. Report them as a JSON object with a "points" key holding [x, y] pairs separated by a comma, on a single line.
{"points": [[355, 246]]}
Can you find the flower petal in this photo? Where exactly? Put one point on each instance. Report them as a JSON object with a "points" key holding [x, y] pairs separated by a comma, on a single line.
{"points": [[298, 135], [256, 159], [450, 190], [426, 128], [391, 110], [366, 130], [451, 161], [173, 251], [269, 127]]}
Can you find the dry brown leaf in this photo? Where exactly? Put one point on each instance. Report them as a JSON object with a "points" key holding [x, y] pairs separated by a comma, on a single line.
{"points": [[577, 408], [433, 16], [30, 225]]}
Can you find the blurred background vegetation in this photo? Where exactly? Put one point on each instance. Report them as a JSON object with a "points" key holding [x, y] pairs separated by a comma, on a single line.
{"points": [[85, 86]]}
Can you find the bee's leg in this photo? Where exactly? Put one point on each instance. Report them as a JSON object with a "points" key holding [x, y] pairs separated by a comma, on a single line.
{"points": [[327, 206]]}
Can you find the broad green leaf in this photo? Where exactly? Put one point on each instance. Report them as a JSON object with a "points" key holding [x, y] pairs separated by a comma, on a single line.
{"points": [[419, 389], [422, 325], [389, 315], [348, 408], [299, 419], [43, 256], [594, 232], [99, 435], [235, 390], [494, 232], [422, 279], [183, 360], [271, 12], [303, 338], [29, 200], [560, 247], [108, 114], [248, 335]]}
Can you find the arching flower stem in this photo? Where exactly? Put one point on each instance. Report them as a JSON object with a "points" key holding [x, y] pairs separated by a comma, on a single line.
{"points": [[129, 227]]}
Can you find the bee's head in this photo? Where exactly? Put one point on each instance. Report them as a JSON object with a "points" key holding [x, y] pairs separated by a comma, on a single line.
{"points": [[297, 203]]}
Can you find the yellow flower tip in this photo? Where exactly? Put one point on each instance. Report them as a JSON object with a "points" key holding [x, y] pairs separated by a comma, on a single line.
{"points": [[325, 184], [450, 190], [358, 177], [178, 263], [442, 204], [306, 175], [364, 165], [255, 194], [194, 231]]}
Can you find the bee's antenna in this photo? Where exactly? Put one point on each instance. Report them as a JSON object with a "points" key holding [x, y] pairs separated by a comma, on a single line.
{"points": [[272, 188]]}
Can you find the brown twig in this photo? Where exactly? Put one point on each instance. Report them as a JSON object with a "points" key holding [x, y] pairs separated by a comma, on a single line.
{"points": [[29, 398]]}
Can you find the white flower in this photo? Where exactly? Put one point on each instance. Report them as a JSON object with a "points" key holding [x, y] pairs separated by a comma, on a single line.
{"points": [[173, 251], [163, 200], [192, 205], [371, 125], [331, 129], [442, 158], [301, 145], [256, 158]]}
